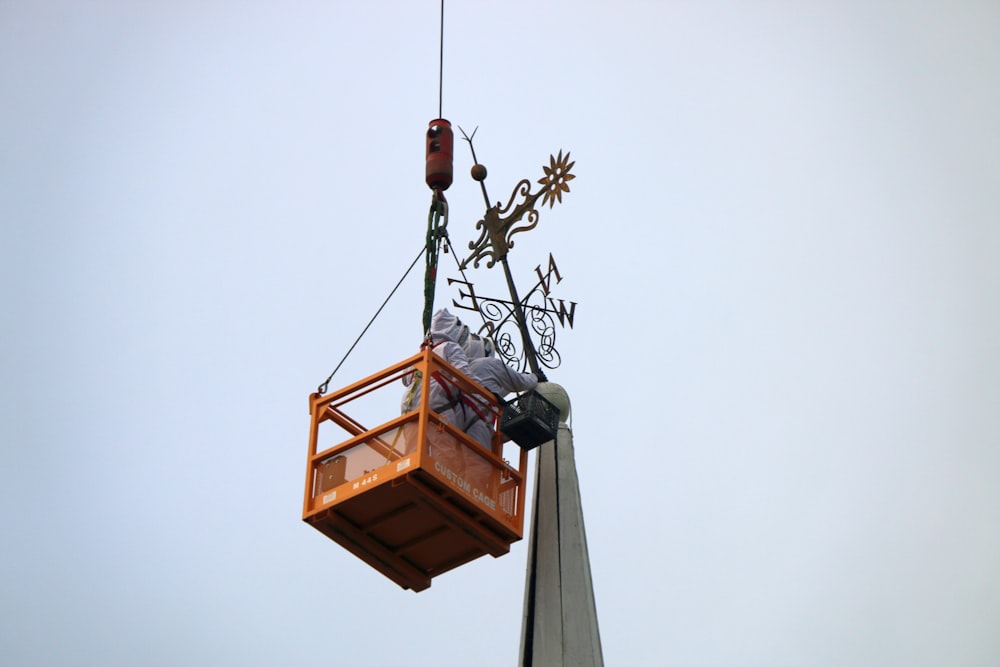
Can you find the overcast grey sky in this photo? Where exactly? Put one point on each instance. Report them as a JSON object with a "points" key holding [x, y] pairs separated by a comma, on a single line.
{"points": [[783, 239]]}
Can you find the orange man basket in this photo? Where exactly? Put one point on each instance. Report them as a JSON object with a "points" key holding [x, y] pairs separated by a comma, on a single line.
{"points": [[414, 496]]}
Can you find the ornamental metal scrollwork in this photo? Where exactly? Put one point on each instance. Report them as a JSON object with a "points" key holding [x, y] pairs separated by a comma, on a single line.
{"points": [[500, 324], [495, 230]]}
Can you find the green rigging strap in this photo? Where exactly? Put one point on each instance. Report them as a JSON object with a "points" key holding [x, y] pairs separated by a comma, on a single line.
{"points": [[437, 223]]}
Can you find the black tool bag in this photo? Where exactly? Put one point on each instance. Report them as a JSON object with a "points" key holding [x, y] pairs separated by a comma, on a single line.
{"points": [[529, 420]]}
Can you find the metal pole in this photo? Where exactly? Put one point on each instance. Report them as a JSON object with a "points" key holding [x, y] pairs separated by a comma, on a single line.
{"points": [[522, 324]]}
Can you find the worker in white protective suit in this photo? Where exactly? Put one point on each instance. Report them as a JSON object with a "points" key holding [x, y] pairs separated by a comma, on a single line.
{"points": [[495, 376], [447, 336], [500, 379]]}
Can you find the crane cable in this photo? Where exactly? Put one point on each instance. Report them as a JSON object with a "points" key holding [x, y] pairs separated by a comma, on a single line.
{"points": [[437, 223], [437, 233], [441, 63], [326, 383], [437, 217]]}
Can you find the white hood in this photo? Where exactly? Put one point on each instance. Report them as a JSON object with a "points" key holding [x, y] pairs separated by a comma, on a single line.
{"points": [[447, 327], [478, 347]]}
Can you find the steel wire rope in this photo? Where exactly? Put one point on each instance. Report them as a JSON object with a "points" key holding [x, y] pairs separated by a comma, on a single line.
{"points": [[326, 383], [441, 65], [437, 217]]}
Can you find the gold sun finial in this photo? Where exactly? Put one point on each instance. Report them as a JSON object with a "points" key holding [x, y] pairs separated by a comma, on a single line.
{"points": [[556, 177]]}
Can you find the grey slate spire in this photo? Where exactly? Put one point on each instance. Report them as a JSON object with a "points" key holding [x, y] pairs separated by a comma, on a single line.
{"points": [[560, 616]]}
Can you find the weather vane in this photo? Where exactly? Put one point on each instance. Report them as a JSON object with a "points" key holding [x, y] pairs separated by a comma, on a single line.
{"points": [[497, 226]]}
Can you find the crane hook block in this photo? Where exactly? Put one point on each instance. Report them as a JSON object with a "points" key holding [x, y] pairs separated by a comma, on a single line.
{"points": [[440, 146]]}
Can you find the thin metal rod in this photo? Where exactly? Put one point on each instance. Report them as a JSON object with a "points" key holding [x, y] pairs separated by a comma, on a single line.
{"points": [[522, 324], [482, 183]]}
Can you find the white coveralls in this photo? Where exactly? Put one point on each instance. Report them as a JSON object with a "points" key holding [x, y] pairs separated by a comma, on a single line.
{"points": [[447, 332], [448, 335], [496, 376]]}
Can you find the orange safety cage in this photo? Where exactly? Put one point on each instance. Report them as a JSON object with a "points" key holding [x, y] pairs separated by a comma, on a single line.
{"points": [[414, 496]]}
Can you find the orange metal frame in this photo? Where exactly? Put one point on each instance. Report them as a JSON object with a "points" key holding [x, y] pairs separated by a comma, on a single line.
{"points": [[414, 496]]}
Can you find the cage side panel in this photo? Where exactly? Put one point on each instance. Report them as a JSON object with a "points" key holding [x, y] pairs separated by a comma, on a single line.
{"points": [[477, 482], [330, 471]]}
